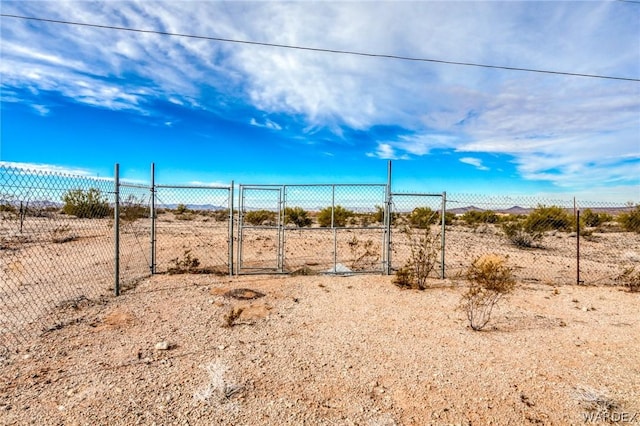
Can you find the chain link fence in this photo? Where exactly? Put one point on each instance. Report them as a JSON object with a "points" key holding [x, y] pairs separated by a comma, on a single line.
{"points": [[545, 240], [193, 229], [311, 228], [59, 247], [56, 247]]}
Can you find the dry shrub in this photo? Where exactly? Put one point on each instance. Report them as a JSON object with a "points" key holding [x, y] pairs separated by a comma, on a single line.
{"points": [[363, 254], [186, 264], [489, 280], [630, 278], [62, 234], [229, 319], [425, 247]]}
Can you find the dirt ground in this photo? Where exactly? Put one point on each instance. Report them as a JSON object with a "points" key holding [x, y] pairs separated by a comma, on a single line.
{"points": [[328, 350]]}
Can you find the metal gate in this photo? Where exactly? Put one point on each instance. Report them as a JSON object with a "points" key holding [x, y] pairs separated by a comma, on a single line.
{"points": [[411, 216], [260, 229], [316, 228]]}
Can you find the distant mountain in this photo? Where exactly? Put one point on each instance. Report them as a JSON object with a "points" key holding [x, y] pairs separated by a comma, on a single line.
{"points": [[463, 210], [192, 206]]}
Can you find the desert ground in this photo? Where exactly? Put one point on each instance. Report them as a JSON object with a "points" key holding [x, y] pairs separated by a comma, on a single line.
{"points": [[329, 350], [314, 348]]}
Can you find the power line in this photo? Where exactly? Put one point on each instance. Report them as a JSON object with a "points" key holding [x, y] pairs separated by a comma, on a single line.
{"points": [[323, 50]]}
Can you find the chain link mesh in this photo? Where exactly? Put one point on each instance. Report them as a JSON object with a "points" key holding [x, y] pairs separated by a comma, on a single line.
{"points": [[57, 237], [56, 247], [192, 229], [312, 228]]}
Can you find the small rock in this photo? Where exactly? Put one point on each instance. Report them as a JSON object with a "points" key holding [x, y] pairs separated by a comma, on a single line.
{"points": [[162, 346]]}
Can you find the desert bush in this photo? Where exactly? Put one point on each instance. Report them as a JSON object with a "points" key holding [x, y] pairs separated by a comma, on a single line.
{"points": [[260, 217], [229, 319], [133, 209], [630, 221], [593, 220], [184, 265], [519, 235], [7, 207], [630, 278], [544, 218], [475, 217], [489, 280], [221, 215], [298, 216], [340, 216], [86, 204], [422, 217], [425, 247], [363, 254], [62, 234], [181, 209]]}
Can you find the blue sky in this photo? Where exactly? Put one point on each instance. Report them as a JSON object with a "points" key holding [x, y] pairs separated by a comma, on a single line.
{"points": [[81, 99]]}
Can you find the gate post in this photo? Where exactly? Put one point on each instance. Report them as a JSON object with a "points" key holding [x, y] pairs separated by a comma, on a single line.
{"points": [[230, 246], [444, 230], [116, 227], [152, 213], [388, 222]]}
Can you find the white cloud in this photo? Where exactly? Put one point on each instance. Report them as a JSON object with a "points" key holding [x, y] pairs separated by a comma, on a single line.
{"points": [[475, 162]]}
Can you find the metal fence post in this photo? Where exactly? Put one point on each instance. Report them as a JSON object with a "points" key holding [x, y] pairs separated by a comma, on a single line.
{"points": [[388, 222], [333, 226], [152, 212], [578, 281], [230, 247], [116, 227], [444, 230]]}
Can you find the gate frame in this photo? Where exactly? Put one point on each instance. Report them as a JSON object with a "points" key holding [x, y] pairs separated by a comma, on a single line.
{"points": [[443, 210], [278, 227]]}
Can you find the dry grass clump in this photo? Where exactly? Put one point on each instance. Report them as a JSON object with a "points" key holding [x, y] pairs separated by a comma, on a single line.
{"points": [[489, 280]]}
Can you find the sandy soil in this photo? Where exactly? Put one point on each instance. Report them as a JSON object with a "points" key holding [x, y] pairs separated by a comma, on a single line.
{"points": [[329, 350]]}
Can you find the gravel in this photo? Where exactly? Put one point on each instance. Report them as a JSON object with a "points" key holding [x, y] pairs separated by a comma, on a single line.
{"points": [[327, 350]]}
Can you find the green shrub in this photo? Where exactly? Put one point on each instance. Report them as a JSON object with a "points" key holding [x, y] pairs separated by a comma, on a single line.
{"points": [[5, 206], [86, 204], [221, 215], [298, 216], [630, 221], [519, 235], [260, 217], [182, 209], [340, 216], [133, 209], [475, 217], [422, 217], [593, 220], [545, 218]]}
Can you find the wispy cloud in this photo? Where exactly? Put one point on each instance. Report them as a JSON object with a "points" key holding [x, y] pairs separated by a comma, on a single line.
{"points": [[46, 168], [266, 123], [475, 162]]}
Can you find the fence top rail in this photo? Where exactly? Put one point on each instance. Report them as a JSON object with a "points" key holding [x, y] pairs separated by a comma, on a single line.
{"points": [[192, 187], [134, 185], [416, 194], [300, 185]]}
